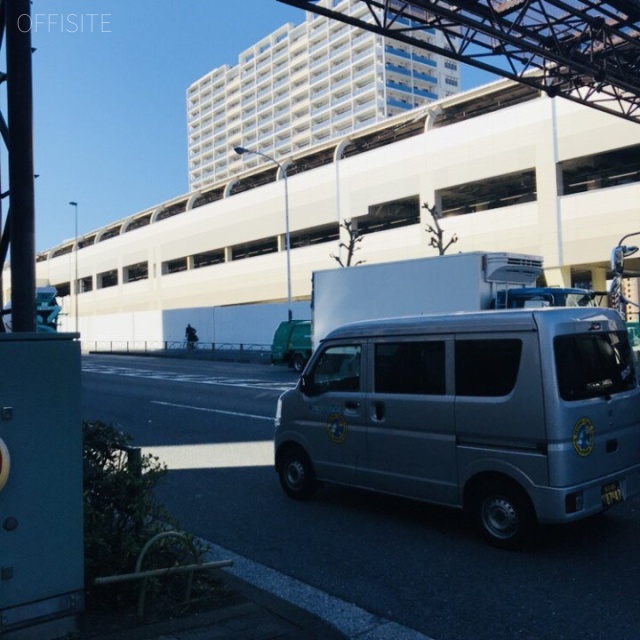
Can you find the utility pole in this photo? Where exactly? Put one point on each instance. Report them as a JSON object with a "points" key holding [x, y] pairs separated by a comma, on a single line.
{"points": [[21, 223]]}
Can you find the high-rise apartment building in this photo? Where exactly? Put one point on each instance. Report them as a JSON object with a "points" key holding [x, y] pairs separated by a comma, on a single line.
{"points": [[304, 85]]}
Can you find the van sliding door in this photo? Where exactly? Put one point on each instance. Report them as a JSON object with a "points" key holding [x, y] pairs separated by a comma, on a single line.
{"points": [[499, 406], [410, 436]]}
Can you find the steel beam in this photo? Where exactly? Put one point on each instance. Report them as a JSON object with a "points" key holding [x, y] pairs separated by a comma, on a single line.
{"points": [[587, 51], [21, 174]]}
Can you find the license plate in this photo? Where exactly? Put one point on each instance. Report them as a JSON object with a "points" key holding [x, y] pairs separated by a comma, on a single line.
{"points": [[611, 493]]}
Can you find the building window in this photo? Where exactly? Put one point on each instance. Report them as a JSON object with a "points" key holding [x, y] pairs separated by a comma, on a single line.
{"points": [[110, 233], [138, 271], [172, 211], [63, 289], [107, 279], [389, 215], [208, 258], [87, 242], [490, 193], [609, 169], [86, 284], [62, 251], [253, 249], [143, 221], [174, 266], [315, 235]]}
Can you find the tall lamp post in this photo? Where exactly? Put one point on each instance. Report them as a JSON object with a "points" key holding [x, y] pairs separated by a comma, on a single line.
{"points": [[241, 151], [75, 283]]}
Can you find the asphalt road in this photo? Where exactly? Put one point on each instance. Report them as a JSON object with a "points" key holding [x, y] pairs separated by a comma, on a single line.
{"points": [[421, 566]]}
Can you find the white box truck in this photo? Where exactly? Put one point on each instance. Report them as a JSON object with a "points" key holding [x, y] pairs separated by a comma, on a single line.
{"points": [[441, 284]]}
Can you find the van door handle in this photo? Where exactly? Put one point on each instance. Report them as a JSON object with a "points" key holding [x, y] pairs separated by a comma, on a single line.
{"points": [[352, 405], [379, 411]]}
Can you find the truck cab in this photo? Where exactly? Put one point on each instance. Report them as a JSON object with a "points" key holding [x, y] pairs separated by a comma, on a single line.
{"points": [[538, 297], [292, 344]]}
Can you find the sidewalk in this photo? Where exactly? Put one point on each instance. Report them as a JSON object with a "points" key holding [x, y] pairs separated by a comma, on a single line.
{"points": [[273, 607], [262, 616]]}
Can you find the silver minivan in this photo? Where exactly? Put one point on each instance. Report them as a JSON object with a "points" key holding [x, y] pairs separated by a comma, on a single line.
{"points": [[521, 417]]}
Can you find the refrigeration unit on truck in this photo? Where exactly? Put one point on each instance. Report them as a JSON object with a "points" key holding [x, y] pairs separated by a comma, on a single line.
{"points": [[441, 284]]}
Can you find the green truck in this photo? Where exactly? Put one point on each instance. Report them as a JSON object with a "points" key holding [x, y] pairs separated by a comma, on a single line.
{"points": [[292, 344]]}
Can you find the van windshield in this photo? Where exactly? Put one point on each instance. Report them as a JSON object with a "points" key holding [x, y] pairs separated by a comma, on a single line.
{"points": [[594, 365]]}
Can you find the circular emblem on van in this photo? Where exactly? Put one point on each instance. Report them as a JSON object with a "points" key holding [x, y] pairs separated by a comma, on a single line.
{"points": [[337, 428], [584, 435]]}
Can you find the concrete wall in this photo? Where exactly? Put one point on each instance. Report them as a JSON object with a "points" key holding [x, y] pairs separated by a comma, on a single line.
{"points": [[247, 325]]}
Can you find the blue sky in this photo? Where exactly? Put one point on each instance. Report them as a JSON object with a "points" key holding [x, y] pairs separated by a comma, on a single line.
{"points": [[109, 82]]}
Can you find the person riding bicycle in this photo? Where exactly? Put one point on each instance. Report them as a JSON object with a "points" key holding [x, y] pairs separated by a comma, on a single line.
{"points": [[191, 336]]}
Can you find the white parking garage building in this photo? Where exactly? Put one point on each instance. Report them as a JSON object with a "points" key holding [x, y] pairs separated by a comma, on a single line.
{"points": [[508, 168]]}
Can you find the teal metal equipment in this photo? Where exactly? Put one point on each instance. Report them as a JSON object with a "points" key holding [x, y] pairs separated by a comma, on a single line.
{"points": [[41, 507]]}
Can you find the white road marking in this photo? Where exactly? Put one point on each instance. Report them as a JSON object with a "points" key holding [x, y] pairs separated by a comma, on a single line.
{"points": [[222, 455], [227, 413], [247, 383]]}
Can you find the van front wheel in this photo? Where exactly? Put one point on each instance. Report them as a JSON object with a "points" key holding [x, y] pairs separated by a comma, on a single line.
{"points": [[505, 515], [296, 473]]}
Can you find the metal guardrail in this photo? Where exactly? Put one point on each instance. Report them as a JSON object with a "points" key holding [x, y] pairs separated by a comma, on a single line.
{"points": [[142, 576], [181, 348]]}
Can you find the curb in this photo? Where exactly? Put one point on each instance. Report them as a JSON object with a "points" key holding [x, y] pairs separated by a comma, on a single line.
{"points": [[331, 617], [313, 624]]}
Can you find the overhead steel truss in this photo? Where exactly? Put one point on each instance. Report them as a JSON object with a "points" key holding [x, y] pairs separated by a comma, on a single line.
{"points": [[587, 51]]}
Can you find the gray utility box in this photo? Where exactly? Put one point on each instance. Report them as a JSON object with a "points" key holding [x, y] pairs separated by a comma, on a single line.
{"points": [[41, 507]]}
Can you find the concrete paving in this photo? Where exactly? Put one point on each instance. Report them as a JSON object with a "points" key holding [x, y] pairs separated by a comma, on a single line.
{"points": [[277, 607]]}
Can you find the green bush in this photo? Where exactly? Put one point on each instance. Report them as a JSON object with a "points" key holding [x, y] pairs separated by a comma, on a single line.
{"points": [[120, 511]]}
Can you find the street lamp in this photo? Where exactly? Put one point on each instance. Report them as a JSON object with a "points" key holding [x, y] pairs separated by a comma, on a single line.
{"points": [[241, 151], [75, 284]]}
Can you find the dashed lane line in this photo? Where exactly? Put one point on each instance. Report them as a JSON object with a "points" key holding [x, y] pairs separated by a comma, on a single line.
{"points": [[191, 378], [226, 413]]}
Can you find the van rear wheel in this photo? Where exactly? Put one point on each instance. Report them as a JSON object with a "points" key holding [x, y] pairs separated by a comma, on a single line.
{"points": [[505, 514], [297, 477]]}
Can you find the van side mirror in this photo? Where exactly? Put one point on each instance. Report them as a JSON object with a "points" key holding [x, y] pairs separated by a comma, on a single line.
{"points": [[617, 260], [305, 386], [308, 387], [618, 255]]}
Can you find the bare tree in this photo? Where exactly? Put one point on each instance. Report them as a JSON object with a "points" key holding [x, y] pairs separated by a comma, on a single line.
{"points": [[355, 238], [437, 233]]}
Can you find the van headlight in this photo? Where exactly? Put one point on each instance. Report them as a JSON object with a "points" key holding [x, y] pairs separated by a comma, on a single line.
{"points": [[278, 412]]}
